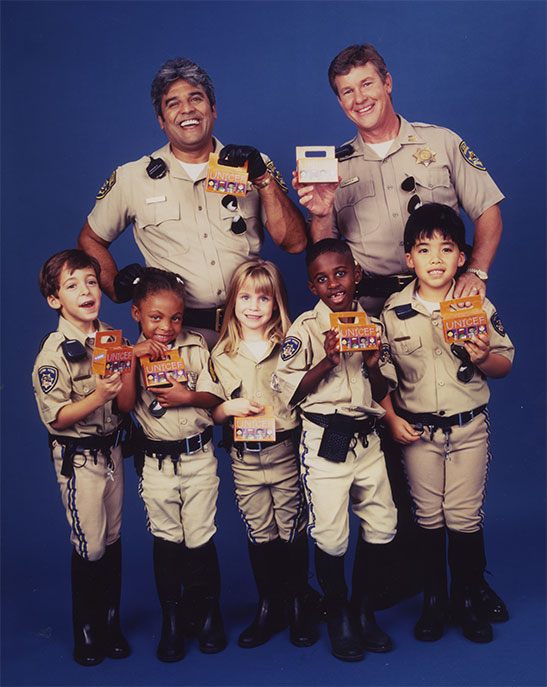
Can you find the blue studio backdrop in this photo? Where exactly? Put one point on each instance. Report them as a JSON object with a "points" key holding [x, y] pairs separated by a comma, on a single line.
{"points": [[75, 104]]}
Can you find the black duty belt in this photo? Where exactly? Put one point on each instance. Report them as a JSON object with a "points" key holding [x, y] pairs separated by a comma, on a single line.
{"points": [[257, 446], [365, 426], [74, 446], [340, 434], [206, 318], [174, 449], [382, 287], [421, 420]]}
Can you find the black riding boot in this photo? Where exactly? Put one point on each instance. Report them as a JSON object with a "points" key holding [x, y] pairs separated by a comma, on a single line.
{"points": [[372, 561], [87, 619], [270, 616], [467, 561], [202, 590], [344, 639], [430, 626], [303, 601], [167, 571], [116, 645]]}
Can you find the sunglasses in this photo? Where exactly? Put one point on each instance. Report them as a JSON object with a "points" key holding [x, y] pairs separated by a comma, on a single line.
{"points": [[409, 185], [466, 370]]}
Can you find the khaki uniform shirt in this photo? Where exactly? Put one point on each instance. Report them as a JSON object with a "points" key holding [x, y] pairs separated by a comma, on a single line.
{"points": [[242, 376], [346, 389], [426, 368], [58, 382], [180, 227], [183, 421], [370, 207]]}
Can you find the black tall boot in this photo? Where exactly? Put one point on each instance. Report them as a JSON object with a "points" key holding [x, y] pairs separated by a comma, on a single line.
{"points": [[489, 602], [116, 645], [370, 567], [430, 626], [167, 571], [270, 617], [302, 599], [466, 559], [344, 639], [202, 590], [87, 619]]}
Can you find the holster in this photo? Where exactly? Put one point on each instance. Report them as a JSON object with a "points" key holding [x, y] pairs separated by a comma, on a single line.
{"points": [[339, 434], [73, 446]]}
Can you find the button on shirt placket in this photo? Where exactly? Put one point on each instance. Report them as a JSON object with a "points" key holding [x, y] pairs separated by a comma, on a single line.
{"points": [[205, 238]]}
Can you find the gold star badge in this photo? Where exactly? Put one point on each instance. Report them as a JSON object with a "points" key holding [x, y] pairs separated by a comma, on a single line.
{"points": [[424, 156]]}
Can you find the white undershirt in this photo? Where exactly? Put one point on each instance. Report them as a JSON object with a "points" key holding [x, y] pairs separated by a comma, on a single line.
{"points": [[257, 348], [193, 170], [381, 149], [430, 306]]}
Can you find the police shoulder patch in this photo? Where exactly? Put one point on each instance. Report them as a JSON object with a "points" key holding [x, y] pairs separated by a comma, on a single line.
{"points": [[290, 347], [470, 157], [48, 376], [385, 353], [496, 323], [276, 175], [212, 372], [107, 186]]}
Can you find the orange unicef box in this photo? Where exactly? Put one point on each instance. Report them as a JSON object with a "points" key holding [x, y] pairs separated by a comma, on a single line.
{"points": [[226, 179], [256, 427], [159, 373], [110, 355], [316, 164], [357, 335], [462, 322]]}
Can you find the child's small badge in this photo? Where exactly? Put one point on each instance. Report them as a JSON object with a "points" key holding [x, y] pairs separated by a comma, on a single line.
{"points": [[463, 319], [357, 334], [226, 179], [255, 427]]}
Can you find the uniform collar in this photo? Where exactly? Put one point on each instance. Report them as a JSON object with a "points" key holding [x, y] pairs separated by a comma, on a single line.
{"points": [[181, 340], [175, 169], [322, 314], [406, 296], [72, 332], [243, 350], [407, 135]]}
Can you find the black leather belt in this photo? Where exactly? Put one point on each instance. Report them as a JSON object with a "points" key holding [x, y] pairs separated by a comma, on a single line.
{"points": [[366, 426], [382, 287], [439, 421], [257, 446], [206, 318], [175, 449], [74, 446]]}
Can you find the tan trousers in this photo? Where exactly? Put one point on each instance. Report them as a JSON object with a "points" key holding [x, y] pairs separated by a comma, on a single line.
{"points": [[181, 504], [93, 499], [268, 493], [330, 487], [450, 490]]}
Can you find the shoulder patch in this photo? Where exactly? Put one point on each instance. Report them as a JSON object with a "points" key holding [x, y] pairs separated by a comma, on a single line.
{"points": [[496, 323], [107, 186], [290, 347], [212, 372], [470, 157], [385, 353], [48, 376], [276, 175]]}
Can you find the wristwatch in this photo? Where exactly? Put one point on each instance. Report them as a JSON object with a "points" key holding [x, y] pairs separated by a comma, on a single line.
{"points": [[479, 273], [267, 181]]}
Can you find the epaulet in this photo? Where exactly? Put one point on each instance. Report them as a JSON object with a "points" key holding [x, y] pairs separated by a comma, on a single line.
{"points": [[194, 338], [45, 338]]}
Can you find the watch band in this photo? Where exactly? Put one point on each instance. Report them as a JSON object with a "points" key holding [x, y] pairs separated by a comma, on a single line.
{"points": [[267, 181], [481, 274]]}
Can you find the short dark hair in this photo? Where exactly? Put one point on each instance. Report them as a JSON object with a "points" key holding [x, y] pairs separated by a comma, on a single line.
{"points": [[356, 56], [327, 246], [73, 259], [175, 70], [432, 217], [152, 280]]}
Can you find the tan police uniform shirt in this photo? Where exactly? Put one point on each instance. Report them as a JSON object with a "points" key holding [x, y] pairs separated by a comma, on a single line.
{"points": [[243, 376], [370, 207], [180, 227], [183, 421], [426, 368], [346, 389], [58, 382]]}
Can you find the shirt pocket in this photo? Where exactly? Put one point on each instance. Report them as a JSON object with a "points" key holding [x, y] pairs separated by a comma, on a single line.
{"points": [[162, 231], [82, 387], [241, 229], [410, 358], [435, 186], [357, 207]]}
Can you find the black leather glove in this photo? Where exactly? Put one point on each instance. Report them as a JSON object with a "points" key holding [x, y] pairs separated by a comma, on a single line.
{"points": [[123, 282], [237, 156]]}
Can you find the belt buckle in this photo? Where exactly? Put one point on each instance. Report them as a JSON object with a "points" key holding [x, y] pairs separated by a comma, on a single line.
{"points": [[219, 316], [199, 448], [252, 450]]}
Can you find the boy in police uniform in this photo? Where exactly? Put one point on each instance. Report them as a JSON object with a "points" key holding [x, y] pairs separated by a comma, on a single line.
{"points": [[79, 412], [338, 396], [438, 413]]}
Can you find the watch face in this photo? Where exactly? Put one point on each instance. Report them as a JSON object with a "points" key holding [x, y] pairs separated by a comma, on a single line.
{"points": [[480, 274]]}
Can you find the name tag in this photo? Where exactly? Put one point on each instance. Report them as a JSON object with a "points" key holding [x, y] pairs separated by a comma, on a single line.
{"points": [[156, 199], [348, 182]]}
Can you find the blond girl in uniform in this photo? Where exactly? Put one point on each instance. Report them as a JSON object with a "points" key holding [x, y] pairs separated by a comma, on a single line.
{"points": [[266, 474], [179, 482]]}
